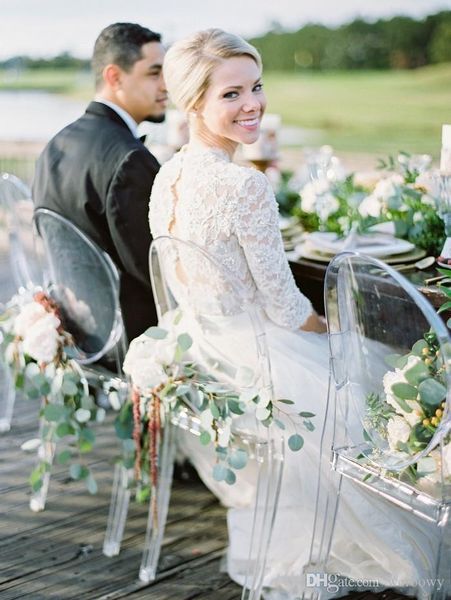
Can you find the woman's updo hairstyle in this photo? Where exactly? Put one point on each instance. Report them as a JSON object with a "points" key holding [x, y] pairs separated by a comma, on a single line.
{"points": [[189, 63]]}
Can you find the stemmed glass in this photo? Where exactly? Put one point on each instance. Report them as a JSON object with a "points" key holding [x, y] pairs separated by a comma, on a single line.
{"points": [[443, 199]]}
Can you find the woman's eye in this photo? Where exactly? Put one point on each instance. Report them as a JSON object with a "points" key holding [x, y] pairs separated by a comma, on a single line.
{"points": [[231, 95], [258, 87]]}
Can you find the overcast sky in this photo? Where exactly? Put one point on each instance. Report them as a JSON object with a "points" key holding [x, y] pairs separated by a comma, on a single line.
{"points": [[47, 27]]}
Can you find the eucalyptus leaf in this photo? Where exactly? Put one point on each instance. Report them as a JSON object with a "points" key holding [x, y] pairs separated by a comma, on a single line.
{"points": [[77, 471], [230, 477], [54, 412], [309, 425], [82, 415], [238, 458], [432, 392], [235, 407], [182, 390], [69, 388], [417, 373], [220, 472], [91, 484], [280, 424], [306, 415], [418, 347], [184, 341], [295, 442], [285, 401], [156, 333], [87, 435], [205, 438], [214, 410], [64, 457], [64, 429], [404, 391]]}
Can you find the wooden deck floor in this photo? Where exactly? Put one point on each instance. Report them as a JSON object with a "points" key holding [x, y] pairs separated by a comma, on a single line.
{"points": [[57, 554]]}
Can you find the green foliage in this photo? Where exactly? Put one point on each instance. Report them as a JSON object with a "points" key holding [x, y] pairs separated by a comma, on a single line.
{"points": [[399, 43]]}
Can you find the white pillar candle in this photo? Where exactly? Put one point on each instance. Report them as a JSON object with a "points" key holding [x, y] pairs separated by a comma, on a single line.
{"points": [[445, 156]]}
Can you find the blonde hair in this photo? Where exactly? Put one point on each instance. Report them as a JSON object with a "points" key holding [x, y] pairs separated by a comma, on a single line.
{"points": [[189, 63]]}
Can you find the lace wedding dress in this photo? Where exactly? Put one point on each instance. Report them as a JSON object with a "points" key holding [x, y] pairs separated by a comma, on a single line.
{"points": [[230, 211]]}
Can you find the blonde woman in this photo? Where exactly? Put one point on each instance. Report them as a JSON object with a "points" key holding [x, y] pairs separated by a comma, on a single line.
{"points": [[202, 196]]}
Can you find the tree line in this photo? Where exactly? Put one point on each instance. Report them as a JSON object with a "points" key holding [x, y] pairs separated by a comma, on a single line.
{"points": [[395, 43]]}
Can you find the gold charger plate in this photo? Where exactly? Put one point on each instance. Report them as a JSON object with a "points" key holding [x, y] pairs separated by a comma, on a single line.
{"points": [[306, 251]]}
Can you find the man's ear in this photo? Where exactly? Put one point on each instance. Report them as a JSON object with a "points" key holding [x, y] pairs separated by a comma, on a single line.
{"points": [[112, 76]]}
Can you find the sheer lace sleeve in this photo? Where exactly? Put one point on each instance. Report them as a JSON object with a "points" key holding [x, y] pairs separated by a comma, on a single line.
{"points": [[258, 232]]}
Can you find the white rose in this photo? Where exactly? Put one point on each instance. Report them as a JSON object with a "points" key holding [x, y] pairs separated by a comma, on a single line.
{"points": [[371, 206], [388, 187], [145, 373], [28, 316], [326, 205], [308, 198], [165, 349], [41, 340], [398, 430]]}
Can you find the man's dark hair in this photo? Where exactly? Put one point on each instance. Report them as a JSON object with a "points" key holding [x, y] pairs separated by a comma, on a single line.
{"points": [[120, 44]]}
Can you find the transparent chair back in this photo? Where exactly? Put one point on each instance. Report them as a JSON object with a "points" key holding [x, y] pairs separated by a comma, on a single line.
{"points": [[20, 267], [18, 246], [378, 423], [206, 301], [85, 283]]}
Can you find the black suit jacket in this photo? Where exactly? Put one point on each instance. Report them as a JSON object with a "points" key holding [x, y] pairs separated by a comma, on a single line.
{"points": [[99, 176]]}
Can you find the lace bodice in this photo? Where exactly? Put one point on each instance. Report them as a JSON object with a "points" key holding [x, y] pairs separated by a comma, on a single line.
{"points": [[230, 211]]}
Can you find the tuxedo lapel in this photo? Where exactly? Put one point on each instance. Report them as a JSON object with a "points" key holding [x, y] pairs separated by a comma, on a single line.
{"points": [[102, 110]]}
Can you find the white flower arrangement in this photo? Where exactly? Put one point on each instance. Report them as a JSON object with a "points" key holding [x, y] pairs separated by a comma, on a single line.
{"points": [[166, 381], [404, 192], [37, 348], [409, 412]]}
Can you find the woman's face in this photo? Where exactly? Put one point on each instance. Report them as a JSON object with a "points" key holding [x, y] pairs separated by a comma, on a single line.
{"points": [[234, 103]]}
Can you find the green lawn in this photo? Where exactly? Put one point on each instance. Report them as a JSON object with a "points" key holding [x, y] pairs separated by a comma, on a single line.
{"points": [[377, 112]]}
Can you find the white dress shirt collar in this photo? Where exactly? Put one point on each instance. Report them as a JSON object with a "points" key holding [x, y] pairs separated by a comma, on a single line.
{"points": [[130, 121]]}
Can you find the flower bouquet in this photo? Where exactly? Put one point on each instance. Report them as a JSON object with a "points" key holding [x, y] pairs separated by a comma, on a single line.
{"points": [[165, 381], [403, 194], [39, 352], [411, 409]]}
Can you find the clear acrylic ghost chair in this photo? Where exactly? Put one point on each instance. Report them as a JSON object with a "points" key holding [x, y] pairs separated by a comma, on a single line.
{"points": [[17, 239], [373, 312], [20, 268], [85, 283], [186, 279]]}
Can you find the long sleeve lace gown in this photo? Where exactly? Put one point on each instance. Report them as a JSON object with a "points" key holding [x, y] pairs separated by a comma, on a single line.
{"points": [[230, 211]]}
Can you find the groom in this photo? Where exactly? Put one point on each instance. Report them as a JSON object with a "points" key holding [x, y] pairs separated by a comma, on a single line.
{"points": [[98, 174]]}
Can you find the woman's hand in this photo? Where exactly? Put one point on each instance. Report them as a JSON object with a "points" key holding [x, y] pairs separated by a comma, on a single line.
{"points": [[315, 323]]}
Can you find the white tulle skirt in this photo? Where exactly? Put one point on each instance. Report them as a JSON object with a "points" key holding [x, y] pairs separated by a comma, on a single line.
{"points": [[373, 540]]}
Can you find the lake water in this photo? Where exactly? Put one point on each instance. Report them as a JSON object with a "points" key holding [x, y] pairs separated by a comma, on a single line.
{"points": [[35, 116]]}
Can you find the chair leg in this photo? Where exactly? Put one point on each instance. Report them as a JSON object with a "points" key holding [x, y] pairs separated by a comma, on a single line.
{"points": [[7, 396], [269, 457], [120, 498], [442, 587], [46, 454], [155, 528]]}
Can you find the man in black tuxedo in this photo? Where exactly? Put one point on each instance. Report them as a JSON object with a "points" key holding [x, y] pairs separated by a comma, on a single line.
{"points": [[98, 174]]}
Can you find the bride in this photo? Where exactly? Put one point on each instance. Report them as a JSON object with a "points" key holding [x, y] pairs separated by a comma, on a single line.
{"points": [[202, 196]]}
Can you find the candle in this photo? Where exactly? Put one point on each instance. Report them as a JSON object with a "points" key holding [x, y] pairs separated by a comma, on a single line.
{"points": [[445, 156]]}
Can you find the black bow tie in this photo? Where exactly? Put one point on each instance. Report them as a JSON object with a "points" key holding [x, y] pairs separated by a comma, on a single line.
{"points": [[143, 139]]}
